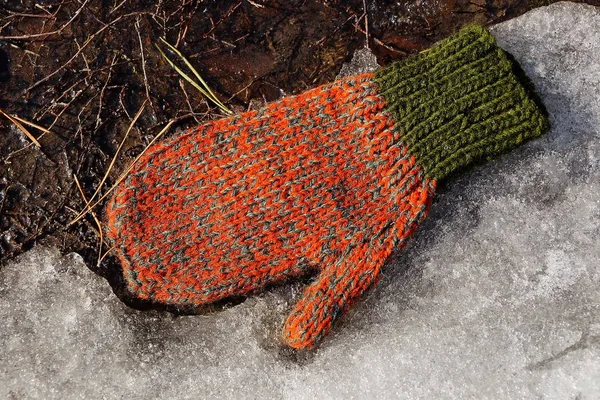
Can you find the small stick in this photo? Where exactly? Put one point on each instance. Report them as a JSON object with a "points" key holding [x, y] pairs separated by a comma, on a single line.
{"points": [[123, 176], [121, 95], [366, 24], [117, 7], [379, 42], [95, 219], [187, 100], [80, 49], [12, 14], [255, 4], [226, 15], [112, 162], [107, 253], [98, 119], [59, 30], [137, 28], [65, 92]]}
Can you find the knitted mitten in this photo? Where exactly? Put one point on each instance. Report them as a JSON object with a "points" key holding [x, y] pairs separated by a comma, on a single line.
{"points": [[328, 181]]}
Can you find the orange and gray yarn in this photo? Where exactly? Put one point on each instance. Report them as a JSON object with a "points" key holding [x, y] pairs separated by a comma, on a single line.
{"points": [[326, 182]]}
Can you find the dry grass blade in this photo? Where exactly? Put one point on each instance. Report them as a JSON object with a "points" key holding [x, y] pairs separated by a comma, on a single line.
{"points": [[203, 86], [36, 126], [100, 234], [366, 11], [137, 28], [21, 127], [112, 162], [195, 72], [123, 175], [105, 254], [192, 82]]}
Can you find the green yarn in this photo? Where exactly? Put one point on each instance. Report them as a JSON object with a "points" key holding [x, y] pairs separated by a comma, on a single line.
{"points": [[460, 102]]}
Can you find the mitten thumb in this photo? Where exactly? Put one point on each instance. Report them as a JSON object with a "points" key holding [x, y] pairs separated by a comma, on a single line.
{"points": [[335, 289]]}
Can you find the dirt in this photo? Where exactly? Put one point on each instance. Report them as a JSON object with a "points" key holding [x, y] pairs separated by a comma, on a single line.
{"points": [[82, 69]]}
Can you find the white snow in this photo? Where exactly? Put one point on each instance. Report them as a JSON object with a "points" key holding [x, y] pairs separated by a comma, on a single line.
{"points": [[497, 296]]}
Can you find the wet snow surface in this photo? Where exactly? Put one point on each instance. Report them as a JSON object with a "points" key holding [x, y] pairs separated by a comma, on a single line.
{"points": [[497, 296]]}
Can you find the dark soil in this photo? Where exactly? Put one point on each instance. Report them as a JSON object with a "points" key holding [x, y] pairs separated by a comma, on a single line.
{"points": [[83, 69]]}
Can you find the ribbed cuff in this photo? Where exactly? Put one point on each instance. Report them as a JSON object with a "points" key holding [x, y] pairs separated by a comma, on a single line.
{"points": [[460, 102]]}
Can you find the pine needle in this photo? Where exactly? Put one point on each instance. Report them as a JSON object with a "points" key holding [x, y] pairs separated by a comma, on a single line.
{"points": [[36, 126], [114, 159], [122, 177], [95, 219], [21, 127], [195, 72], [202, 87], [105, 254]]}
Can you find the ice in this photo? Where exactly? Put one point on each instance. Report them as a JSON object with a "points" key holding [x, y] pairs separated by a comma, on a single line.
{"points": [[497, 296], [363, 60]]}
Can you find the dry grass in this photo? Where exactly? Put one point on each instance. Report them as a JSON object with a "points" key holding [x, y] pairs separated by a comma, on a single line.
{"points": [[114, 159], [202, 86], [19, 124], [89, 207], [100, 234]]}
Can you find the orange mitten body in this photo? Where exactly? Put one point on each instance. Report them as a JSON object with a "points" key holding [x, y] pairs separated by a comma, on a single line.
{"points": [[328, 181]]}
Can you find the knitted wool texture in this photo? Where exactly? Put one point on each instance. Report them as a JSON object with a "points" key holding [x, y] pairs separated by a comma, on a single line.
{"points": [[325, 182]]}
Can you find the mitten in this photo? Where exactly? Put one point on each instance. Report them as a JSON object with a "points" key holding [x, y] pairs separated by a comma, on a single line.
{"points": [[324, 183]]}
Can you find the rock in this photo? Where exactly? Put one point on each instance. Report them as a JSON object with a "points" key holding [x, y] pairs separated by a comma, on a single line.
{"points": [[497, 296]]}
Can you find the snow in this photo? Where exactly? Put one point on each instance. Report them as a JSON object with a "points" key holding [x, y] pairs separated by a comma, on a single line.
{"points": [[497, 296]]}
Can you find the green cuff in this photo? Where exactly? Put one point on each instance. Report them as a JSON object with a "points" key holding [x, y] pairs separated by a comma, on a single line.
{"points": [[462, 101]]}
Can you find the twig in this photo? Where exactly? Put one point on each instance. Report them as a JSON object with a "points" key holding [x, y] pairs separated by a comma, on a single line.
{"points": [[13, 14], [379, 42], [185, 24], [366, 24], [80, 121], [226, 15], [137, 28], [98, 119], [187, 99], [320, 41], [85, 44], [107, 253], [64, 109], [117, 7], [59, 30], [252, 82], [181, 35], [121, 95], [85, 61], [255, 4], [44, 110], [112, 162], [95, 219], [53, 15], [123, 176]]}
